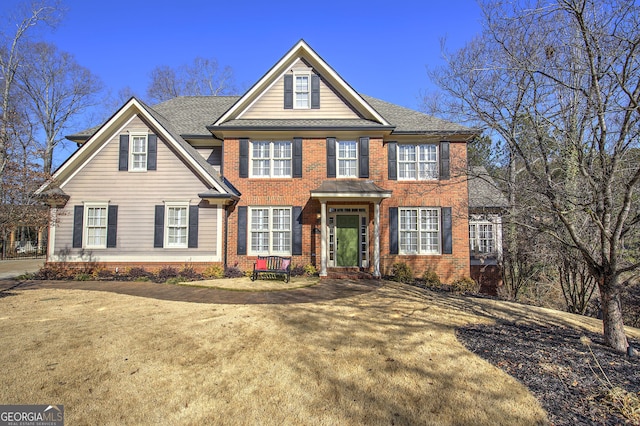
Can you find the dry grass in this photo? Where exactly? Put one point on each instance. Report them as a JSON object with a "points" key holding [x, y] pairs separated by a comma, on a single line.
{"points": [[245, 284], [387, 357]]}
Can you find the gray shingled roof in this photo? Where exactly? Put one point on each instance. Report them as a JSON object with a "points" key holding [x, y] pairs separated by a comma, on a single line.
{"points": [[483, 191], [407, 120], [351, 186], [190, 116]]}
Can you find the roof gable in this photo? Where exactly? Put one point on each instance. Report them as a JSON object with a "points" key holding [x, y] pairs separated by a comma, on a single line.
{"points": [[115, 124], [301, 53]]}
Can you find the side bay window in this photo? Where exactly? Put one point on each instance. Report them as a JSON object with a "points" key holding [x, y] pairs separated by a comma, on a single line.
{"points": [[411, 161], [137, 152], [420, 230], [482, 237], [95, 225], [176, 225]]}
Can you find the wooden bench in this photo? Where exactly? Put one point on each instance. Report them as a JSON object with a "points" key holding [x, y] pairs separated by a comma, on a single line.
{"points": [[272, 265]]}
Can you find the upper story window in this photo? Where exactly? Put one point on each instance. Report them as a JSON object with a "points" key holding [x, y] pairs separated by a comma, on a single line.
{"points": [[417, 162], [270, 230], [347, 158], [419, 230], [271, 159], [482, 237], [138, 152], [302, 91], [95, 225]]}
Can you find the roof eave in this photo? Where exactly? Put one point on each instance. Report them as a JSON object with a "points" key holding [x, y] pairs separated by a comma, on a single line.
{"points": [[298, 128]]}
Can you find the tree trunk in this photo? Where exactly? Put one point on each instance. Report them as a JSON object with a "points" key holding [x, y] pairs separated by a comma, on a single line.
{"points": [[613, 325]]}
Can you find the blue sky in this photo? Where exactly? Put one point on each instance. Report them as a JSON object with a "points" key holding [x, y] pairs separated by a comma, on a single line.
{"points": [[381, 48]]}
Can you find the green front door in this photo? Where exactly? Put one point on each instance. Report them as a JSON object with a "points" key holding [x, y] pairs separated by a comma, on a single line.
{"points": [[347, 240]]}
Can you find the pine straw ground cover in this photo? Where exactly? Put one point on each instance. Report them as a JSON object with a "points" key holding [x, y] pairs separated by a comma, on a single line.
{"points": [[385, 357]]}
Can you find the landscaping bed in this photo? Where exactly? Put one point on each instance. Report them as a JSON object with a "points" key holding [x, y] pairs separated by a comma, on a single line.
{"points": [[570, 372]]}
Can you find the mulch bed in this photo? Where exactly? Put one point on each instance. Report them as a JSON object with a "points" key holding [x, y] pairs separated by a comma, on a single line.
{"points": [[558, 368]]}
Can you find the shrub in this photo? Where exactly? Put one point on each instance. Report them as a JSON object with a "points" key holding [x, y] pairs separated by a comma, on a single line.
{"points": [[213, 272], [165, 273], [57, 271], [189, 274], [431, 279], [297, 270], [175, 280], [464, 285], [138, 274], [402, 273], [310, 270], [81, 276], [233, 272]]}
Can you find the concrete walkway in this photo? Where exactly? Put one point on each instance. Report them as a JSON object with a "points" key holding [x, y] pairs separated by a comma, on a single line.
{"points": [[326, 289], [16, 267]]}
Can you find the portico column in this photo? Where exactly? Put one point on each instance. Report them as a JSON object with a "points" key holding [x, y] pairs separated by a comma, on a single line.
{"points": [[323, 238], [376, 240]]}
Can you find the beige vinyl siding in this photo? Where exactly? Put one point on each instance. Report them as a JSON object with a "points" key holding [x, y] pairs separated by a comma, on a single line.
{"points": [[136, 194], [206, 153], [271, 103]]}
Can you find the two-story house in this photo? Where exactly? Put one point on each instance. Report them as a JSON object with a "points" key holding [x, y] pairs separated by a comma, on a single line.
{"points": [[301, 165]]}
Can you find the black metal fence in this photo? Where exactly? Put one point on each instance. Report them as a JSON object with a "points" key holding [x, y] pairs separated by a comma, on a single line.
{"points": [[23, 249]]}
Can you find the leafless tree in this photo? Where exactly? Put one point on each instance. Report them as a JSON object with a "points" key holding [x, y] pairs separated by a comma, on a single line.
{"points": [[559, 82], [202, 78], [58, 89], [13, 36]]}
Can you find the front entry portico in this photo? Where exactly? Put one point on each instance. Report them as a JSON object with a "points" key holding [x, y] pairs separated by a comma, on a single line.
{"points": [[344, 228]]}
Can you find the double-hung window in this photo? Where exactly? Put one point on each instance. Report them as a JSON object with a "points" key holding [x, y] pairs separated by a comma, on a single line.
{"points": [[482, 237], [417, 162], [270, 229], [271, 159], [95, 225], [177, 225], [347, 158], [419, 230], [139, 152], [302, 91]]}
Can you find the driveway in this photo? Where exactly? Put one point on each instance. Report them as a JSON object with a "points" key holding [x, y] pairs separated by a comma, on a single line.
{"points": [[16, 267]]}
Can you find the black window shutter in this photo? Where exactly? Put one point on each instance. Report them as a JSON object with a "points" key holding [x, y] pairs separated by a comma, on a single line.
{"points": [[392, 164], [152, 151], [331, 157], [244, 158], [242, 230], [444, 160], [296, 246], [297, 157], [123, 158], [315, 92], [364, 158], [393, 230], [78, 217], [447, 243], [193, 227], [158, 236], [112, 226], [288, 91]]}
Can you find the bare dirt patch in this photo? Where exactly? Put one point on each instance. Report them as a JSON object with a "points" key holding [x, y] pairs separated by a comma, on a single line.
{"points": [[245, 284], [384, 357]]}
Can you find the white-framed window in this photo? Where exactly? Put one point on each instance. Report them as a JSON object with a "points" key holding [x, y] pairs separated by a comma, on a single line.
{"points": [[347, 158], [270, 230], [176, 225], [138, 150], [417, 162], [271, 159], [482, 237], [302, 91], [419, 230], [95, 225]]}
